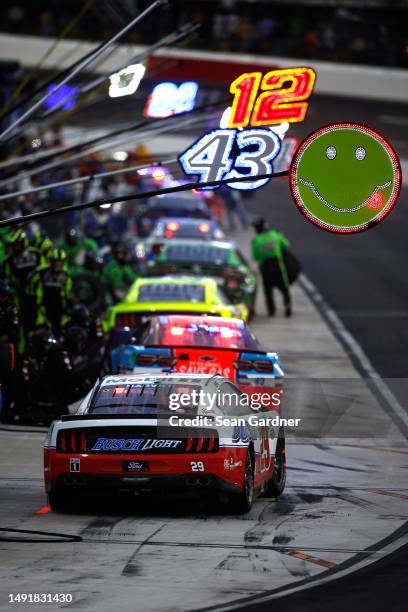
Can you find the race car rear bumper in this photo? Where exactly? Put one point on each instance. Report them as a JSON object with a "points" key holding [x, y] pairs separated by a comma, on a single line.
{"points": [[92, 484], [222, 470]]}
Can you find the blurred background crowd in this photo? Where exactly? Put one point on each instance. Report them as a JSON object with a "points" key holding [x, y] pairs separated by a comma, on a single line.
{"points": [[59, 276], [346, 31]]}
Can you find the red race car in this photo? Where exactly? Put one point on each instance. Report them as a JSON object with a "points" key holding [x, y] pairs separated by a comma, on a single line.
{"points": [[147, 433], [192, 344]]}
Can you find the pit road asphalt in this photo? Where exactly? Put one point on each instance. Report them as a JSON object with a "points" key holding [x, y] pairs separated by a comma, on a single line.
{"points": [[363, 278]]}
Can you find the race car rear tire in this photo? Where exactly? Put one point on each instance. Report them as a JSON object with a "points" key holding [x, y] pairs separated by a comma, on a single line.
{"points": [[59, 502], [241, 503], [276, 484]]}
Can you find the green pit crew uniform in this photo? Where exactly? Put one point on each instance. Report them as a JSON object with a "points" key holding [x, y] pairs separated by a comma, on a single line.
{"points": [[268, 250], [117, 279]]}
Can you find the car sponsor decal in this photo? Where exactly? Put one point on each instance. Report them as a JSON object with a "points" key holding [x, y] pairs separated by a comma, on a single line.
{"points": [[135, 444], [205, 361], [135, 466], [199, 368], [74, 464], [126, 380], [230, 464]]}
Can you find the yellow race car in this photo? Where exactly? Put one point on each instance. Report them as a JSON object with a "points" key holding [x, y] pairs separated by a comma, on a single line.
{"points": [[172, 295]]}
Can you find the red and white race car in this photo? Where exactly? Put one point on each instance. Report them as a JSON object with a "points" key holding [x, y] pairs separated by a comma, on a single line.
{"points": [[145, 433], [192, 344]]}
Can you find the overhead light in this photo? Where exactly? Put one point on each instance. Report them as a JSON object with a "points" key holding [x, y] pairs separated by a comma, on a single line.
{"points": [[126, 81]]}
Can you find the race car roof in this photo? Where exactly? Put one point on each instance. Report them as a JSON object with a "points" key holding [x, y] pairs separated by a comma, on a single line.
{"points": [[189, 251], [142, 285], [180, 319], [194, 242], [177, 280]]}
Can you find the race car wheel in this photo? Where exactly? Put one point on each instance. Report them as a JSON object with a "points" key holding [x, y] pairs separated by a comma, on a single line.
{"points": [[277, 483], [59, 502], [241, 503]]}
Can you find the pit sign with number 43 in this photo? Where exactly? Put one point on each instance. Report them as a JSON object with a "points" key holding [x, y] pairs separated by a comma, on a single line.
{"points": [[225, 154]]}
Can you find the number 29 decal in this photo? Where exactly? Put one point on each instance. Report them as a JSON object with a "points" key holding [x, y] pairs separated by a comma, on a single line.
{"points": [[229, 154], [283, 97]]}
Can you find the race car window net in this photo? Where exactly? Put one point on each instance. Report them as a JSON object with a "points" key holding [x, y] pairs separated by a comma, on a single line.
{"points": [[168, 292], [151, 398], [200, 254], [203, 335]]}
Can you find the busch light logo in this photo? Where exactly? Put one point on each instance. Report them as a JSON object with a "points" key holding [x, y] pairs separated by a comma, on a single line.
{"points": [[133, 444], [117, 444]]}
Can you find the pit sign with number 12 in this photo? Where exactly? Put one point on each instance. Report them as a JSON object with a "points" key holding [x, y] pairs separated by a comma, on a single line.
{"points": [[277, 96], [239, 151]]}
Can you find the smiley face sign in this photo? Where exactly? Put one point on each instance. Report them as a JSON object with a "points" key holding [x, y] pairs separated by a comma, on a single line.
{"points": [[345, 177]]}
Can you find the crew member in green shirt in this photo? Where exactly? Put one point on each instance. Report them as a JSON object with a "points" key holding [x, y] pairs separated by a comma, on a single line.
{"points": [[118, 274], [76, 246], [268, 248]]}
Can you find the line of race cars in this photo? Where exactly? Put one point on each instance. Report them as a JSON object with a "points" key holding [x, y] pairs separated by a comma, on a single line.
{"points": [[180, 332]]}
